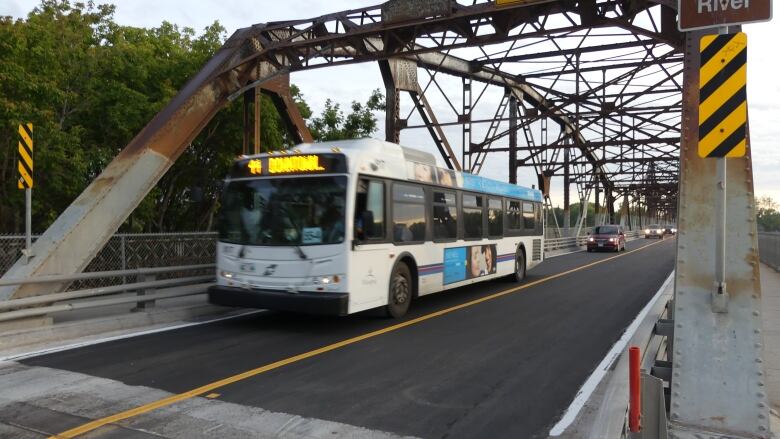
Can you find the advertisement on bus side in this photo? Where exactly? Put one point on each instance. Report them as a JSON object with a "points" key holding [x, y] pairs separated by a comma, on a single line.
{"points": [[462, 263]]}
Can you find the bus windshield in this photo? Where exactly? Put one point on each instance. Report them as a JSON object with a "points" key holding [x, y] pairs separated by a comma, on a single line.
{"points": [[284, 211]]}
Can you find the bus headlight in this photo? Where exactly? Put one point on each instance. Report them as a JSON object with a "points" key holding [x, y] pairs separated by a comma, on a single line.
{"points": [[226, 274], [326, 280]]}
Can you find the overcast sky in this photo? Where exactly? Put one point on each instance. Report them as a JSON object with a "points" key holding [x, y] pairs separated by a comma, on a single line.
{"points": [[343, 84]]}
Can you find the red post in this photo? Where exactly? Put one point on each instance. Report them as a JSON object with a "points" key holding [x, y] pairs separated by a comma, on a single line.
{"points": [[635, 396]]}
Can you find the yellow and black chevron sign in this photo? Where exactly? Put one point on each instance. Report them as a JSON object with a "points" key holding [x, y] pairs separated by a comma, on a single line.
{"points": [[25, 156], [722, 95]]}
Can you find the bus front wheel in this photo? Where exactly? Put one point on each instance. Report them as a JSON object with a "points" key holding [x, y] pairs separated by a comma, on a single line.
{"points": [[519, 266], [400, 294]]}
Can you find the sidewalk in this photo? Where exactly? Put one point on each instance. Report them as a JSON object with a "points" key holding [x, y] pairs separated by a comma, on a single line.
{"points": [[770, 305]]}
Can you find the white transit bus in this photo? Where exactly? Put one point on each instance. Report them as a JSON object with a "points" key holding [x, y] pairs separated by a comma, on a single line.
{"points": [[341, 227]]}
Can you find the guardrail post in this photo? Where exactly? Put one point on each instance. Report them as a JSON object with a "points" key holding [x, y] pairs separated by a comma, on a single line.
{"points": [[146, 304]]}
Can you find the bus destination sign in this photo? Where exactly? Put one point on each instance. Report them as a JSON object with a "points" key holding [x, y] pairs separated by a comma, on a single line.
{"points": [[289, 164], [703, 14]]}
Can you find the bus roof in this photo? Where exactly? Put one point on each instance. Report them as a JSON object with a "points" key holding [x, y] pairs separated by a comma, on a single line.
{"points": [[389, 160]]}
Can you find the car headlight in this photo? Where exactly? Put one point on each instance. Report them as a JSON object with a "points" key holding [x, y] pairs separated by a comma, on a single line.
{"points": [[659, 231], [612, 240], [591, 239], [674, 230], [647, 231]]}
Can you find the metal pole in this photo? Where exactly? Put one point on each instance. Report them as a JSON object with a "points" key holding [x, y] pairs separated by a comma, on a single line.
{"points": [[720, 295], [28, 223]]}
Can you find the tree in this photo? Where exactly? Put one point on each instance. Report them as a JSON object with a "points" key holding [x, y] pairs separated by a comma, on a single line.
{"points": [[89, 85], [767, 216], [361, 122]]}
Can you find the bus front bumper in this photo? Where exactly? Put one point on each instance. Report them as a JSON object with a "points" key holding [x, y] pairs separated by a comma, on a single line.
{"points": [[309, 303]]}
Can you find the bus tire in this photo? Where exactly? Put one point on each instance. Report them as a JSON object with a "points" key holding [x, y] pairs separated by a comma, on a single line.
{"points": [[519, 266], [400, 291]]}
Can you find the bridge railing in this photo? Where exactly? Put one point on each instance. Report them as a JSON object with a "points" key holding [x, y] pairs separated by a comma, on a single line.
{"points": [[150, 285], [130, 251], [769, 248]]}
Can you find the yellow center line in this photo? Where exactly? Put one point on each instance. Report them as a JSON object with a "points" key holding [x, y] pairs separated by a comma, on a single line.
{"points": [[93, 425]]}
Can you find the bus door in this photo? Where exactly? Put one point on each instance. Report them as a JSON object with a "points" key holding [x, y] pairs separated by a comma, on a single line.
{"points": [[371, 246]]}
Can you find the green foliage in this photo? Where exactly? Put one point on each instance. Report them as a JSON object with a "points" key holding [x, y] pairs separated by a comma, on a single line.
{"points": [[767, 215], [361, 122], [89, 85]]}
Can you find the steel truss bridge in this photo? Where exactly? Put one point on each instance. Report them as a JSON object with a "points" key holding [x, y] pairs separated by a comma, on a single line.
{"points": [[586, 91]]}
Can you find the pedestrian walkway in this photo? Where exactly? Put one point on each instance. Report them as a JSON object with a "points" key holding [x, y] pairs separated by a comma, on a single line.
{"points": [[770, 293]]}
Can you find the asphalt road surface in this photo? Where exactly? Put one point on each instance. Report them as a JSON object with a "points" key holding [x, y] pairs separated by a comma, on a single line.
{"points": [[504, 366]]}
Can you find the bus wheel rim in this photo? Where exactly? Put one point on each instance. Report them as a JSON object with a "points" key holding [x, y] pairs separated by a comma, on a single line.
{"points": [[400, 290]]}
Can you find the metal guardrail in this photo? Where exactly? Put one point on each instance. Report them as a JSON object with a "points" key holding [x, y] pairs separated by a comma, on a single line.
{"points": [[146, 288], [129, 251], [769, 248]]}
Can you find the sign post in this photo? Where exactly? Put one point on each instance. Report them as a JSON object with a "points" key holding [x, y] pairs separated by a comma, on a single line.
{"points": [[722, 128], [25, 167]]}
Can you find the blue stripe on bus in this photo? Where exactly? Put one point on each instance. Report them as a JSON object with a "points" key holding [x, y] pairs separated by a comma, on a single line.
{"points": [[480, 184]]}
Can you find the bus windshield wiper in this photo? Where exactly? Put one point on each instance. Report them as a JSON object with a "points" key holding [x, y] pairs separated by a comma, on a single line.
{"points": [[300, 252]]}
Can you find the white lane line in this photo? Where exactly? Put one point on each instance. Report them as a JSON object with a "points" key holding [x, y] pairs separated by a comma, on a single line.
{"points": [[598, 374], [23, 356]]}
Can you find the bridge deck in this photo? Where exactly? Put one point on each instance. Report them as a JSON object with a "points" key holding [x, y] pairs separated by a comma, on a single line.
{"points": [[507, 366]]}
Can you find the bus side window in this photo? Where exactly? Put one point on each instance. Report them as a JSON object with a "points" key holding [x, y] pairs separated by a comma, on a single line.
{"points": [[370, 210], [495, 218], [513, 214], [529, 217], [408, 213]]}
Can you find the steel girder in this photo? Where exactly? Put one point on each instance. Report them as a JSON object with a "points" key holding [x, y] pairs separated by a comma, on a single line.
{"points": [[563, 110]]}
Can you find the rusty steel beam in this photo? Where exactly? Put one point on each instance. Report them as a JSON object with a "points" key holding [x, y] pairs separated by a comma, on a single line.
{"points": [[613, 126], [76, 236]]}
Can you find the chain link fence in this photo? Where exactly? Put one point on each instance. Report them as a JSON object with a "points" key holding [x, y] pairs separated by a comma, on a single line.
{"points": [[769, 249], [129, 251]]}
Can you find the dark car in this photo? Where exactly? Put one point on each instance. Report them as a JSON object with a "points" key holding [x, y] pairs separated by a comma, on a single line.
{"points": [[654, 231], [609, 237], [669, 230]]}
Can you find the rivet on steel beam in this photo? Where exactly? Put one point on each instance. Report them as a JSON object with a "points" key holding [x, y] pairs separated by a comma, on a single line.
{"points": [[757, 331], [758, 360], [761, 394], [755, 313], [761, 405]]}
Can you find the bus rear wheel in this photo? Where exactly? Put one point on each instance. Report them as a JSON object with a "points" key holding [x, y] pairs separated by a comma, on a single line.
{"points": [[519, 266], [400, 293]]}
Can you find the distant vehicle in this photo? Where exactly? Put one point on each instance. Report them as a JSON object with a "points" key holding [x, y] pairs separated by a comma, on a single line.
{"points": [[670, 230], [341, 227], [608, 237], [654, 231]]}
